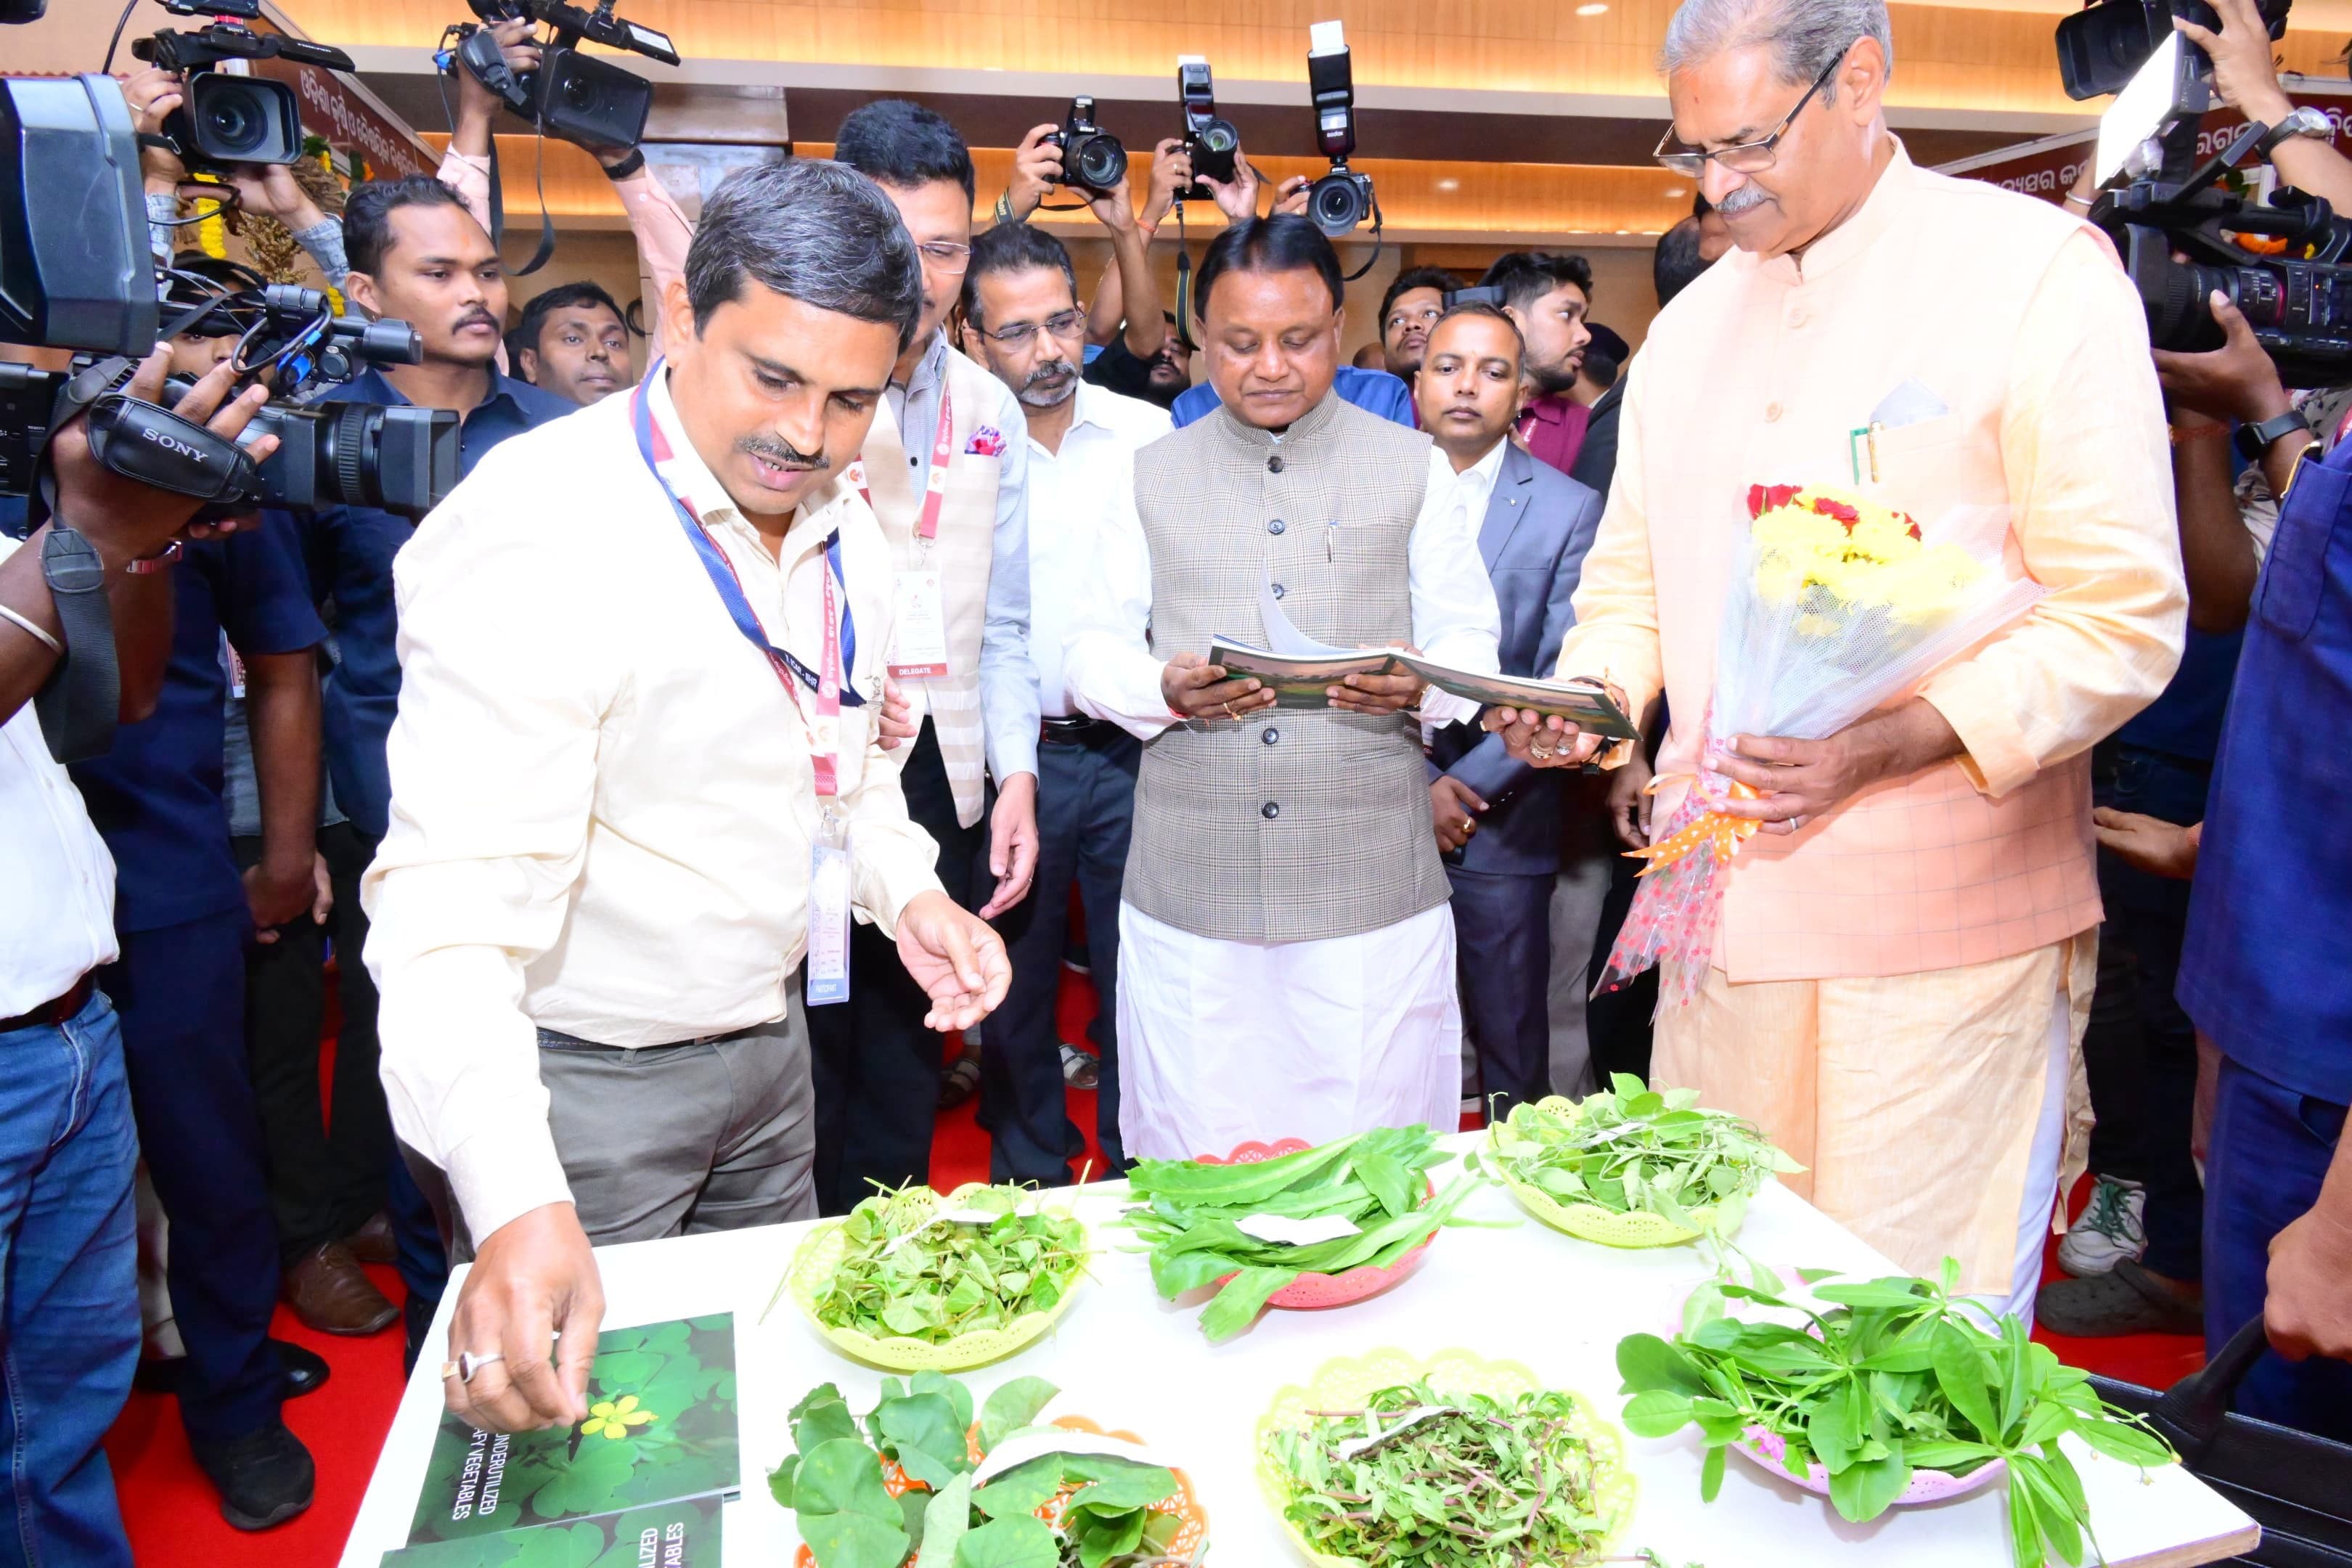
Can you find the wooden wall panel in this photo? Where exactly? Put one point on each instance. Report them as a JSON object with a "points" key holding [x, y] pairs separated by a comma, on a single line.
{"points": [[1947, 56]]}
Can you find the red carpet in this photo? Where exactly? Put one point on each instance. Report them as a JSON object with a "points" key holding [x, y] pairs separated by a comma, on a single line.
{"points": [[174, 1516]]}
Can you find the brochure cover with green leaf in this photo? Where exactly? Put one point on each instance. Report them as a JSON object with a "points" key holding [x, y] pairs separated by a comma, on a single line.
{"points": [[660, 1429], [683, 1535]]}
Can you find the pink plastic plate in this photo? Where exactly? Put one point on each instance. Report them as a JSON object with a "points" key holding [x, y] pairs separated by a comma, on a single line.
{"points": [[1766, 1449], [1311, 1292]]}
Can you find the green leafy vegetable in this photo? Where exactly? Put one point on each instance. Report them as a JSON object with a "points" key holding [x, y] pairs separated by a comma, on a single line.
{"points": [[914, 1265], [1633, 1148], [1896, 1376], [1190, 1216], [1111, 1510], [1437, 1480]]}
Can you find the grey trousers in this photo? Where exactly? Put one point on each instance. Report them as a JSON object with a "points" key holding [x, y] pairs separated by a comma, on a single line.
{"points": [[673, 1140]]}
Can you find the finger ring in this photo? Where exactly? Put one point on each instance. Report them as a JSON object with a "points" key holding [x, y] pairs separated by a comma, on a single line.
{"points": [[1231, 714], [1467, 825], [1541, 753], [468, 1363]]}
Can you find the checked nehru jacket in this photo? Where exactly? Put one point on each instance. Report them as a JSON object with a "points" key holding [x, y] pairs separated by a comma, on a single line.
{"points": [[1293, 824]]}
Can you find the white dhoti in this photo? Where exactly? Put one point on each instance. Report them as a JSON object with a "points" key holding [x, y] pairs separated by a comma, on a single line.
{"points": [[1223, 1043]]}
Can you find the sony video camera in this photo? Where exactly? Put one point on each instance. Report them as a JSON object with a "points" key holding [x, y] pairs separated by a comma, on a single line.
{"points": [[1212, 143], [2102, 46], [1342, 199], [572, 95], [1092, 158], [227, 120], [2285, 263]]}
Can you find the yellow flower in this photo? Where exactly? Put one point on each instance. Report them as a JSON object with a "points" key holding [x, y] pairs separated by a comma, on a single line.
{"points": [[614, 1418], [1880, 537]]}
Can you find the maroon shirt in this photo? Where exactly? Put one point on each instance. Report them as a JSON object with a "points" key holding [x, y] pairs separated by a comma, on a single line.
{"points": [[1553, 428]]}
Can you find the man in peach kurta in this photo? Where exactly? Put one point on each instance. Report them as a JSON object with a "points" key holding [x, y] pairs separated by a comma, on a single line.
{"points": [[1902, 969]]}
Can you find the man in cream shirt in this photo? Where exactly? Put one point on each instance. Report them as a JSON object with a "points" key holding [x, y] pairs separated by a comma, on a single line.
{"points": [[624, 639], [1902, 971]]}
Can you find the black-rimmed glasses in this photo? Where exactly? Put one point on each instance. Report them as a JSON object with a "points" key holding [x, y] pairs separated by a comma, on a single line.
{"points": [[1746, 157]]}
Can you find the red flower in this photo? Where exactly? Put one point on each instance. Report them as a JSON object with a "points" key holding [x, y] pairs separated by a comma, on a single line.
{"points": [[1762, 498], [1838, 509], [1908, 526]]}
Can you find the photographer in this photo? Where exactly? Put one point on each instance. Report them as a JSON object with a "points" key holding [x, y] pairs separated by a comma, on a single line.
{"points": [[663, 230], [2245, 78], [268, 190], [67, 1144], [1038, 168], [417, 255]]}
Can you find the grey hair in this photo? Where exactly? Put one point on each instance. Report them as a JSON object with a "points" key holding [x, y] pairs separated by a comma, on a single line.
{"points": [[1804, 35], [812, 230]]}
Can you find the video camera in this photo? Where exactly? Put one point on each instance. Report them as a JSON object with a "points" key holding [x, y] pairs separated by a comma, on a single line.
{"points": [[76, 273], [1212, 143], [228, 120], [2102, 46], [2158, 200], [572, 95], [1092, 158], [1342, 199]]}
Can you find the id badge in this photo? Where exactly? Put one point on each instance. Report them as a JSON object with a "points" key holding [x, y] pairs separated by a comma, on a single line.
{"points": [[919, 627], [828, 917]]}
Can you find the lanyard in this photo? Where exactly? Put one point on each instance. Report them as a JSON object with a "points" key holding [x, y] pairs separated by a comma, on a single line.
{"points": [[935, 484], [832, 691]]}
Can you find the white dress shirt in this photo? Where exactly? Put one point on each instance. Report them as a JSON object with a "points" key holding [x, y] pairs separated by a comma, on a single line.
{"points": [[1070, 497], [604, 804], [1112, 673], [1007, 677], [1467, 492], [56, 912]]}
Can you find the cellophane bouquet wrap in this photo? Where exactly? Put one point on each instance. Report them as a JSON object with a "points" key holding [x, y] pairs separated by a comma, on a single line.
{"points": [[1837, 607]]}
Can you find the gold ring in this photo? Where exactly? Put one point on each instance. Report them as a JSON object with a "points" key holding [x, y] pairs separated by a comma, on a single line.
{"points": [[1230, 714], [1541, 753], [1467, 825]]}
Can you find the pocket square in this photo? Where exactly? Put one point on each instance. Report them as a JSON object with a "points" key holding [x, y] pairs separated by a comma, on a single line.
{"points": [[987, 441], [1909, 404]]}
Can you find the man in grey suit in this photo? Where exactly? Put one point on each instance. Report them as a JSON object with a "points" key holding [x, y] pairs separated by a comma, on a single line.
{"points": [[1498, 819]]}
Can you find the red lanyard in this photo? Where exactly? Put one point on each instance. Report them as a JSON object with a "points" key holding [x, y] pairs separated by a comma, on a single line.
{"points": [[935, 487]]}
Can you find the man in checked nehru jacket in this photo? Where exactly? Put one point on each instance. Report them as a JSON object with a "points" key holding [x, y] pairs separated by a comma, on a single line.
{"points": [[1286, 955]]}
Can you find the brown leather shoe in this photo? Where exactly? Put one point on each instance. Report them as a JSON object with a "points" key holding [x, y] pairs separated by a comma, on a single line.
{"points": [[330, 1292], [373, 1242]]}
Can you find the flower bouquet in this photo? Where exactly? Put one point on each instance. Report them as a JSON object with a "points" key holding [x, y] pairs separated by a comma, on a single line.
{"points": [[1837, 607], [925, 1481], [912, 1279], [1257, 1226], [1632, 1165], [1891, 1395], [1447, 1461]]}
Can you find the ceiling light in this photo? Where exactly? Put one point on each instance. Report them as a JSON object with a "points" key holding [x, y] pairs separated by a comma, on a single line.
{"points": [[1673, 191], [1594, 8], [1449, 183]]}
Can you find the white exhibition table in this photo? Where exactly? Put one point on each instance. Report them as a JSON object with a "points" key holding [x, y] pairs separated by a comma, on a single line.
{"points": [[1130, 1361]]}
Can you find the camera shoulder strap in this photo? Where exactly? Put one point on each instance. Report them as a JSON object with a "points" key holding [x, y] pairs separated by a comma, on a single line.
{"points": [[78, 704], [539, 258]]}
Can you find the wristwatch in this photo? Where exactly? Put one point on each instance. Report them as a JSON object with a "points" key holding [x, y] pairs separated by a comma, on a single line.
{"points": [[2253, 440], [2303, 120]]}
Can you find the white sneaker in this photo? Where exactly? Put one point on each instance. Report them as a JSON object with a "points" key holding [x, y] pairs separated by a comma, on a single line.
{"points": [[2109, 1230]]}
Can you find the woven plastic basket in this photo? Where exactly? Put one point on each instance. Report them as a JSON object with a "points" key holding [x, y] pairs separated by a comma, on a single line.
{"points": [[1590, 1222], [1312, 1292], [812, 1267], [1345, 1383]]}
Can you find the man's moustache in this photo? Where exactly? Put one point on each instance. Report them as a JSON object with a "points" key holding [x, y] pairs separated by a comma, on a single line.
{"points": [[1050, 374], [784, 454], [1740, 200]]}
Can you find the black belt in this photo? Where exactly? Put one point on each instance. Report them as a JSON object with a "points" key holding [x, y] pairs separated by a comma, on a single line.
{"points": [[557, 1039], [61, 1010], [1075, 730]]}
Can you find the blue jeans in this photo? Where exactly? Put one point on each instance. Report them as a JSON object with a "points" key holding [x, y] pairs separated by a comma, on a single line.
{"points": [[71, 1308]]}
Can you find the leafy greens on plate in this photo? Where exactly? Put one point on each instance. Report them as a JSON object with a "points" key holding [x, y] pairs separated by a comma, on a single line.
{"points": [[1203, 1222], [917, 1265], [1893, 1376]]}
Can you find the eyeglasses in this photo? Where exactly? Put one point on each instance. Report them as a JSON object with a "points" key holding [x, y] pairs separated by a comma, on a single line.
{"points": [[946, 254], [1746, 157], [1060, 324]]}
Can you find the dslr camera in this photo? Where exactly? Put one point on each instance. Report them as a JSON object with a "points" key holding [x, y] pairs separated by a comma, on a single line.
{"points": [[572, 95], [228, 120], [2157, 200], [1342, 199], [1210, 142], [1092, 158], [76, 273]]}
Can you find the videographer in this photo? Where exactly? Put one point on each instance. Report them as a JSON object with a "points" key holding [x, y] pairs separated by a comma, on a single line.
{"points": [[2245, 78], [417, 255], [269, 190], [66, 1140]]}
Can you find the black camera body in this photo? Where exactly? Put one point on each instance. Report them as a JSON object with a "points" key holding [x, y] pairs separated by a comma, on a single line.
{"points": [[1341, 200], [1092, 158], [229, 120], [1212, 143], [75, 271], [2102, 45], [572, 95]]}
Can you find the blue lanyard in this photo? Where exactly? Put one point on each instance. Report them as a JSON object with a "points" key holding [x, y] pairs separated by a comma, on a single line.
{"points": [[722, 572]]}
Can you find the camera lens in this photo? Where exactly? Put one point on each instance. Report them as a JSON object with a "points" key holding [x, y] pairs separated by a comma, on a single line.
{"points": [[576, 91], [1101, 162], [242, 119], [1335, 204], [232, 123]]}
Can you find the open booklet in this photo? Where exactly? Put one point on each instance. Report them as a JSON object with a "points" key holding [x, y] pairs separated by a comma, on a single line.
{"points": [[1300, 670]]}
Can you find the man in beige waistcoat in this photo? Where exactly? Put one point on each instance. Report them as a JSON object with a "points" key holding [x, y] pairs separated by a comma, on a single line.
{"points": [[1902, 969]]}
